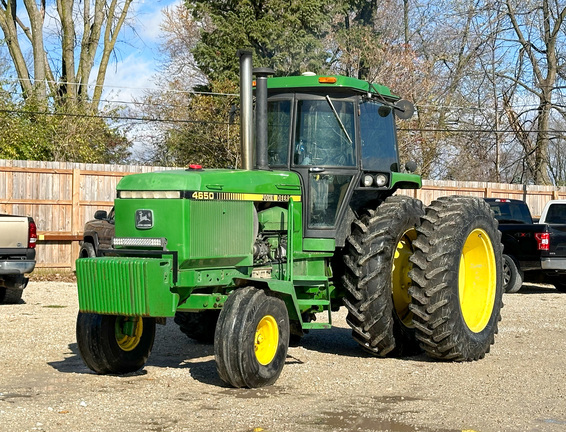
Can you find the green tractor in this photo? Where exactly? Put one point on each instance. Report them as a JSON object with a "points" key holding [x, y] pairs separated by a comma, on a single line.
{"points": [[252, 259]]}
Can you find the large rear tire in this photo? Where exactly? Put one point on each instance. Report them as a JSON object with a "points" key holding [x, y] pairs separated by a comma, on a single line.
{"points": [[376, 278], [110, 344], [199, 326], [457, 279], [251, 339]]}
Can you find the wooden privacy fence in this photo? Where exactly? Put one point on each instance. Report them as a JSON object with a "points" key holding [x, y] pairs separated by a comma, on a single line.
{"points": [[61, 197]]}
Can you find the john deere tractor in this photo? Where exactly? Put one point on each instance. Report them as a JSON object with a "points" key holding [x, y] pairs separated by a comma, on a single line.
{"points": [[251, 259]]}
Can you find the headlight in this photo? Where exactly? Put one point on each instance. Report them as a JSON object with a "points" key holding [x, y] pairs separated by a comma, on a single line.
{"points": [[380, 180], [367, 181], [139, 242], [150, 194]]}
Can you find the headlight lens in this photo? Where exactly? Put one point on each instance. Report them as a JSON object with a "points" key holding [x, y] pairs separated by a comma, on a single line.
{"points": [[367, 181], [380, 180], [150, 194]]}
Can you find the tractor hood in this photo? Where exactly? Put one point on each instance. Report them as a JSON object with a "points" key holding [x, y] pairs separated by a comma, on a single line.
{"points": [[214, 180]]}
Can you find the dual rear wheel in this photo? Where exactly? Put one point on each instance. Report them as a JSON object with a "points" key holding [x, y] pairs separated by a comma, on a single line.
{"points": [[425, 280]]}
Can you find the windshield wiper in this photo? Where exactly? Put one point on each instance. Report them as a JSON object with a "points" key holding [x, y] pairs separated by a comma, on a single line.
{"points": [[338, 118]]}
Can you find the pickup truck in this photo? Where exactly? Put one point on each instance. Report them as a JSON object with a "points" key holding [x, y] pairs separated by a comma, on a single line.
{"points": [[18, 236], [532, 251], [97, 234]]}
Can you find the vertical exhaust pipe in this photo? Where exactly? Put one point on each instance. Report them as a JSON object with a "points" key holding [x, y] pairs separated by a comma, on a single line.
{"points": [[261, 116], [246, 109]]}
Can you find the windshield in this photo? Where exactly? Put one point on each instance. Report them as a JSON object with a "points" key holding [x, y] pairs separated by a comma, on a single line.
{"points": [[324, 133], [379, 142]]}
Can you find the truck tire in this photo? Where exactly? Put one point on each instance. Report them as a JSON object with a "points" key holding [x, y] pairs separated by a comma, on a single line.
{"points": [[457, 279], [376, 277], [87, 250], [106, 349], [512, 276], [12, 292], [199, 326], [251, 339], [557, 281]]}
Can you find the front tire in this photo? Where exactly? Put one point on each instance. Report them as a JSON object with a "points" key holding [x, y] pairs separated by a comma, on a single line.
{"points": [[87, 251], [457, 279], [512, 276], [376, 278], [110, 344], [251, 339]]}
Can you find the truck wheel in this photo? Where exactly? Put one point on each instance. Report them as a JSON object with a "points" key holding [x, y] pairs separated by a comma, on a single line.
{"points": [[111, 344], [12, 292], [87, 251], [251, 339], [377, 284], [557, 281], [199, 326], [512, 276], [457, 279]]}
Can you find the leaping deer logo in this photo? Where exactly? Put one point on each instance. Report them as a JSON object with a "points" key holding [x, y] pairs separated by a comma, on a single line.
{"points": [[144, 219]]}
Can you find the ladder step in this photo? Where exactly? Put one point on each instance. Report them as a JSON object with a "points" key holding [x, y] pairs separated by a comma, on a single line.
{"points": [[309, 302]]}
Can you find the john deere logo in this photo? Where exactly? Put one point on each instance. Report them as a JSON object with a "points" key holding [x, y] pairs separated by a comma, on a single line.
{"points": [[144, 219]]}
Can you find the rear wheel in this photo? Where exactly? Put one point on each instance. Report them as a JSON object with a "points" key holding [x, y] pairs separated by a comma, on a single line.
{"points": [[251, 340], [199, 326], [512, 276], [558, 282], [457, 279], [111, 344], [376, 278], [12, 292]]}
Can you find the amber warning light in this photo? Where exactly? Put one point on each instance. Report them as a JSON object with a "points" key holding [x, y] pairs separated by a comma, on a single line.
{"points": [[327, 80]]}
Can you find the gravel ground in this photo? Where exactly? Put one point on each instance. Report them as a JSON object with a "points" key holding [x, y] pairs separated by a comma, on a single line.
{"points": [[327, 384]]}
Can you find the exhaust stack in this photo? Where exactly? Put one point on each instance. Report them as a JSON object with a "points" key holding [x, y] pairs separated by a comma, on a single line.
{"points": [[246, 109], [261, 116]]}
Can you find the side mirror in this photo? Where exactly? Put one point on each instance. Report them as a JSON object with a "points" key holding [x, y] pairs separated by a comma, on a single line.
{"points": [[101, 214], [411, 166], [404, 109]]}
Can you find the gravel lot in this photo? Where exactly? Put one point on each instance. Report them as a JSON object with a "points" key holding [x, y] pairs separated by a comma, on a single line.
{"points": [[328, 383]]}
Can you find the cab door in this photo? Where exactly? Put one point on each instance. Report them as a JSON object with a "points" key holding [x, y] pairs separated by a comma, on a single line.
{"points": [[324, 155]]}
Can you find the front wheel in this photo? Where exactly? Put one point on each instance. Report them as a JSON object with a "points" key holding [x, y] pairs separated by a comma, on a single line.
{"points": [[251, 339], [110, 344], [457, 279]]}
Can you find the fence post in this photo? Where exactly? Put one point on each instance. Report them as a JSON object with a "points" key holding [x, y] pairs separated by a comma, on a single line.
{"points": [[76, 225]]}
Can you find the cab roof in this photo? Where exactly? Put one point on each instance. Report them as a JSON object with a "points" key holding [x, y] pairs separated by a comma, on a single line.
{"points": [[339, 82]]}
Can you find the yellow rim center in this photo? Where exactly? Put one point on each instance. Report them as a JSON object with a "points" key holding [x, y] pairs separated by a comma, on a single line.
{"points": [[128, 332], [400, 280], [477, 280], [266, 340]]}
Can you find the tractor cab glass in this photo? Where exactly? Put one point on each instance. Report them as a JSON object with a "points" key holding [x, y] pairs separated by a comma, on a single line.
{"points": [[378, 140]]}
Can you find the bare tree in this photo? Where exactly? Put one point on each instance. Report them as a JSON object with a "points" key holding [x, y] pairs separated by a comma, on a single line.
{"points": [[98, 23]]}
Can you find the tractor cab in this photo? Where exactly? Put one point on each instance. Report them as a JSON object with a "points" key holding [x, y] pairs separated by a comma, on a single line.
{"points": [[338, 134]]}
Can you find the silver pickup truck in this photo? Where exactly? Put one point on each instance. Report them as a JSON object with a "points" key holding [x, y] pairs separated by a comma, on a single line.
{"points": [[18, 236]]}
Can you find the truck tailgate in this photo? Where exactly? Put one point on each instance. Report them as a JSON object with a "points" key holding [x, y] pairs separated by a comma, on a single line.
{"points": [[14, 232]]}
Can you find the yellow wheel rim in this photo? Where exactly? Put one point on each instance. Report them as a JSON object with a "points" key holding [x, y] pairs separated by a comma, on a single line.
{"points": [[400, 280], [266, 340], [128, 332], [477, 280]]}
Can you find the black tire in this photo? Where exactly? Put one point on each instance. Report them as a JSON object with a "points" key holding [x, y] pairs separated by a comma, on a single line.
{"points": [[199, 326], [377, 297], [457, 279], [87, 251], [512, 276], [12, 292], [242, 358], [557, 281], [106, 351]]}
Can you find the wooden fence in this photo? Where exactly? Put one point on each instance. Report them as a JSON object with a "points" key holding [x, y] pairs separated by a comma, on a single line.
{"points": [[61, 197]]}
